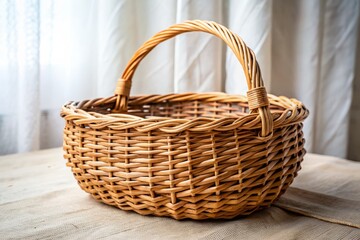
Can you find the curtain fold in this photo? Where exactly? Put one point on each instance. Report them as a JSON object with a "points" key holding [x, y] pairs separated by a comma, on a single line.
{"points": [[336, 77], [251, 20], [297, 53], [55, 51], [198, 56]]}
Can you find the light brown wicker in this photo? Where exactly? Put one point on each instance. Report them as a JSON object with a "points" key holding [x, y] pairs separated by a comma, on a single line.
{"points": [[191, 155]]}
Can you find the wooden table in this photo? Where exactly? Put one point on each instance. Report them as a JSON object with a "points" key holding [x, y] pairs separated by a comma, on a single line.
{"points": [[40, 199]]}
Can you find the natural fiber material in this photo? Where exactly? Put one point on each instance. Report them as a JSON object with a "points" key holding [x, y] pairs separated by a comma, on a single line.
{"points": [[257, 97], [186, 155], [123, 87]]}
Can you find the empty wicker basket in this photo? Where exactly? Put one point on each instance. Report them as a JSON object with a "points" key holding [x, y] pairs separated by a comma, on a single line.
{"points": [[206, 155]]}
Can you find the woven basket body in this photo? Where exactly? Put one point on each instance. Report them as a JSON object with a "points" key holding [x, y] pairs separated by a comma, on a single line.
{"points": [[209, 155]]}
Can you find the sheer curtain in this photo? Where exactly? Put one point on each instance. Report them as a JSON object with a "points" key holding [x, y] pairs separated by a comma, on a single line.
{"points": [[55, 51]]}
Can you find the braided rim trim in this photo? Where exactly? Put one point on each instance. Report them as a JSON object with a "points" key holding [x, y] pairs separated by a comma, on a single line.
{"points": [[80, 114]]}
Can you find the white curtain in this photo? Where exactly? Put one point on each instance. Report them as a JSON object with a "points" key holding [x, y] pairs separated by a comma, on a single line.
{"points": [[55, 51]]}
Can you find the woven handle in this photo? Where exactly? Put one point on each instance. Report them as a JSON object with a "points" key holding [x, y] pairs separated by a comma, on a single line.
{"points": [[257, 97]]}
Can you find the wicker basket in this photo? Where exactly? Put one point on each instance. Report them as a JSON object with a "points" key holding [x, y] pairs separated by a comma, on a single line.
{"points": [[206, 155]]}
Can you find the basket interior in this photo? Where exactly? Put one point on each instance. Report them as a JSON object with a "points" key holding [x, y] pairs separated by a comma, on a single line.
{"points": [[188, 109]]}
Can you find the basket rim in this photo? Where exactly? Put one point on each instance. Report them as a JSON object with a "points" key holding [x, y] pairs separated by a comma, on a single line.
{"points": [[82, 113]]}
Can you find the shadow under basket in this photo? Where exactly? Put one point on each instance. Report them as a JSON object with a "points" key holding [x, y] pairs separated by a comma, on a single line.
{"points": [[190, 155]]}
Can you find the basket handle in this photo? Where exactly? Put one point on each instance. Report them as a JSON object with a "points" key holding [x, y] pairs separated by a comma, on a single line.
{"points": [[257, 96]]}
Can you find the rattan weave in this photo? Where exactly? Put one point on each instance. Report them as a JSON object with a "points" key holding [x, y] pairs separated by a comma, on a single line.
{"points": [[190, 155]]}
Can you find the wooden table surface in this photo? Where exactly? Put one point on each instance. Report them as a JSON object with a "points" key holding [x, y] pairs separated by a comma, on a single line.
{"points": [[40, 199]]}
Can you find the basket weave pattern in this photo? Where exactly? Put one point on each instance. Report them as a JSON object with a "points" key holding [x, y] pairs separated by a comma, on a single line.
{"points": [[208, 155]]}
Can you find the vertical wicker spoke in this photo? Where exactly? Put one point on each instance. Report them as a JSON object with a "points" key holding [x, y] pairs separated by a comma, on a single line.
{"points": [[216, 170], [239, 165], [149, 156], [127, 170], [171, 167], [189, 165], [110, 164]]}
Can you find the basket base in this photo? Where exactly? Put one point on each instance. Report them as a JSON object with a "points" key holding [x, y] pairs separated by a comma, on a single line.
{"points": [[226, 211]]}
